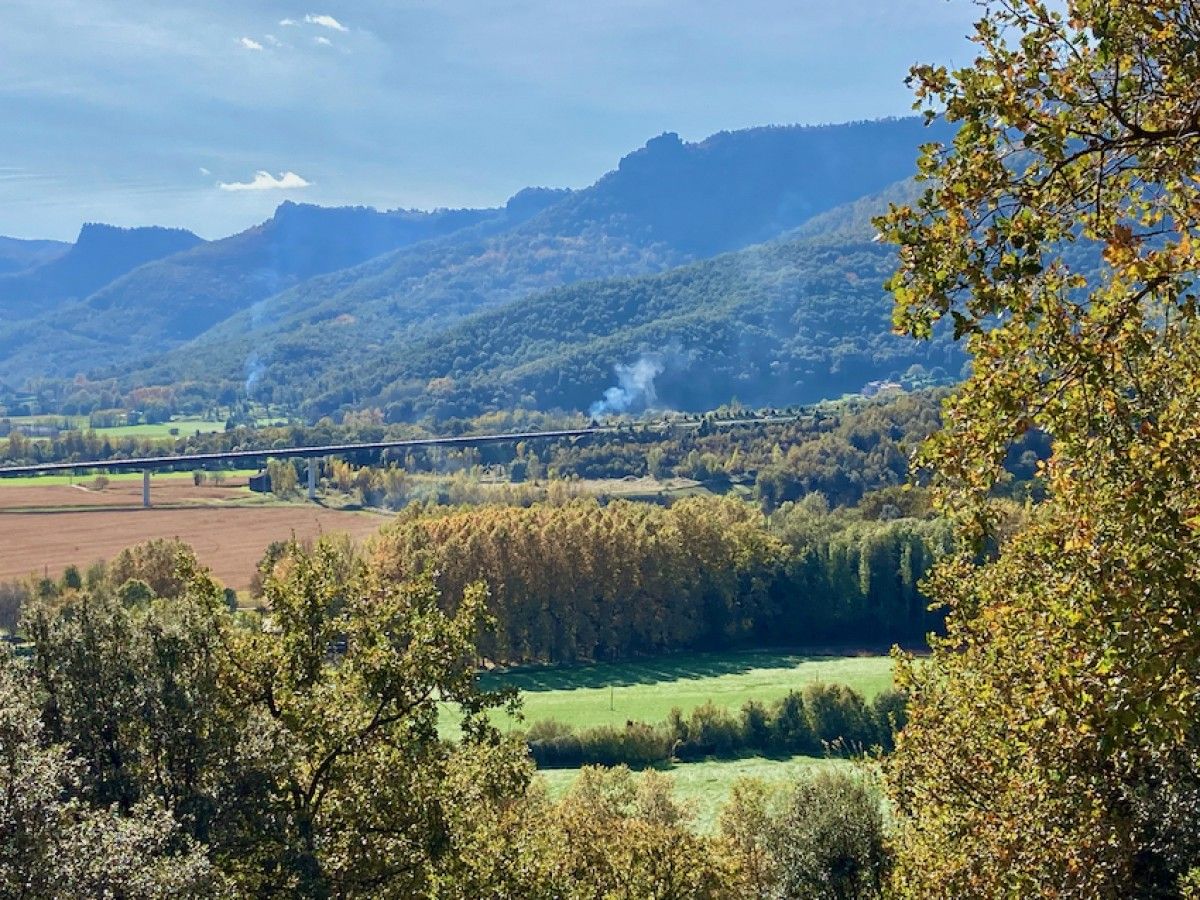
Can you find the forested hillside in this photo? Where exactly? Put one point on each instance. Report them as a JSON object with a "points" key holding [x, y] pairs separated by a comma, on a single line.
{"points": [[17, 255], [100, 254], [159, 305], [791, 322], [666, 204], [550, 302]]}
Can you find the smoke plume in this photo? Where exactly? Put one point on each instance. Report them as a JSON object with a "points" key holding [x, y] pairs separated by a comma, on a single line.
{"points": [[634, 387], [254, 370]]}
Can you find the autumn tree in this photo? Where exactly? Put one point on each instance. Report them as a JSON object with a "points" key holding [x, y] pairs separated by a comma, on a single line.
{"points": [[1051, 748], [294, 755], [821, 837], [52, 844]]}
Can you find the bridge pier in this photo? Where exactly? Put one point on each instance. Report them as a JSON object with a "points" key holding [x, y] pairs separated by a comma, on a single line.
{"points": [[312, 478], [145, 488]]}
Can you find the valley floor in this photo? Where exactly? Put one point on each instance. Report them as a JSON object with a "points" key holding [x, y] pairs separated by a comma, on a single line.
{"points": [[48, 525]]}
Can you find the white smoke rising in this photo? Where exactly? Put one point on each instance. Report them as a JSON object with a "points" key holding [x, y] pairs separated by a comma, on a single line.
{"points": [[634, 387], [254, 370]]}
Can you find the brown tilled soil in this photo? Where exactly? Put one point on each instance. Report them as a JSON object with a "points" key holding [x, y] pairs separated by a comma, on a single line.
{"points": [[40, 532], [163, 492]]}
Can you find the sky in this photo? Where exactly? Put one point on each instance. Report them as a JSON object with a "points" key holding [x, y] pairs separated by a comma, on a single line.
{"points": [[207, 115]]}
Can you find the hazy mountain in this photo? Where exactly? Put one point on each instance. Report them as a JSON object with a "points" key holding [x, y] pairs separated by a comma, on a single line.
{"points": [[100, 254], [665, 205], [794, 320], [164, 303], [17, 255]]}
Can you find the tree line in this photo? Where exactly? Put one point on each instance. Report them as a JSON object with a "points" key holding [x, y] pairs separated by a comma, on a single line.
{"points": [[822, 720], [581, 580], [841, 449]]}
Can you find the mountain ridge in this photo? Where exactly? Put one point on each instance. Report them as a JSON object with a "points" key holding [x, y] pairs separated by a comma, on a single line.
{"points": [[642, 217], [305, 312], [100, 254]]}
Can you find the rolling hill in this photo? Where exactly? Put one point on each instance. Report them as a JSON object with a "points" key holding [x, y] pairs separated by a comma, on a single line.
{"points": [[738, 265], [173, 299], [794, 321]]}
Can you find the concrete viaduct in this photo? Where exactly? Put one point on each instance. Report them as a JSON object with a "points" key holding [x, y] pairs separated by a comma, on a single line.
{"points": [[149, 464]]}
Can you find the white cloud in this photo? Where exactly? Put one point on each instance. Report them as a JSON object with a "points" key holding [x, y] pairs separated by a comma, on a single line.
{"points": [[271, 39], [323, 41], [250, 44], [265, 181], [325, 22], [204, 171], [288, 22]]}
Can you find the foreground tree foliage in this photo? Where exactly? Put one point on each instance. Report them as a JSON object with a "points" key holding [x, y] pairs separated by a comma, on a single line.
{"points": [[821, 840], [158, 745], [299, 751], [54, 844], [1052, 747]]}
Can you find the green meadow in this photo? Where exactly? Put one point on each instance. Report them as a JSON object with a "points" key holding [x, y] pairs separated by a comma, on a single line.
{"points": [[704, 786], [182, 427], [646, 690], [86, 479]]}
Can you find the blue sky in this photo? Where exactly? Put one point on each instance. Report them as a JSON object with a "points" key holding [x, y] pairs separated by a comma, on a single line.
{"points": [[161, 112]]}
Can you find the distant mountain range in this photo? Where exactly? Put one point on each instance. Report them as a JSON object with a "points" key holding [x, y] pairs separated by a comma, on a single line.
{"points": [[17, 255], [537, 303], [100, 254]]}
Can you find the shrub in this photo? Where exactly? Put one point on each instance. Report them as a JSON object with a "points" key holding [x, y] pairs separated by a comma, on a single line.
{"points": [[790, 731], [711, 731], [554, 745], [756, 726], [826, 718], [71, 579], [838, 717], [637, 744], [829, 841], [13, 597]]}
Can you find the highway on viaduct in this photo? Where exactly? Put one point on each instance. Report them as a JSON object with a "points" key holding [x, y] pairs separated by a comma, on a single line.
{"points": [[149, 464]]}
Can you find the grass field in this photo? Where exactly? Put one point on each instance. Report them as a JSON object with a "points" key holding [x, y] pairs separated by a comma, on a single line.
{"points": [[612, 693], [585, 696], [704, 786], [53, 480], [183, 426]]}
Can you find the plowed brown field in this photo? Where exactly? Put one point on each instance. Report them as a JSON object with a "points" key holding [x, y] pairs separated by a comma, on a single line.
{"points": [[46, 528]]}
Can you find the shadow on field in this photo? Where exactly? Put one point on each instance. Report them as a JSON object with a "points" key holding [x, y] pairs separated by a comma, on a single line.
{"points": [[650, 671]]}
